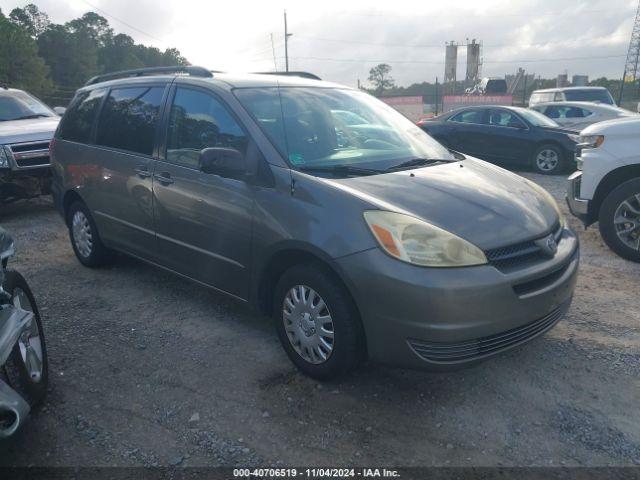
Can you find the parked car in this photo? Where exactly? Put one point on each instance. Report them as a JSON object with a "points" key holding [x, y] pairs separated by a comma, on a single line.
{"points": [[579, 115], [514, 136], [26, 128], [572, 94], [606, 187], [393, 250]]}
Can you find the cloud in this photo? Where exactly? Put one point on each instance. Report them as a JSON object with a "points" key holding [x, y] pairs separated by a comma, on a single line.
{"points": [[341, 41]]}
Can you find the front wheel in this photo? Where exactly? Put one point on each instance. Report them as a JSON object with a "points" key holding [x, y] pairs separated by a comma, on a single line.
{"points": [[549, 160], [317, 322], [619, 220], [27, 366]]}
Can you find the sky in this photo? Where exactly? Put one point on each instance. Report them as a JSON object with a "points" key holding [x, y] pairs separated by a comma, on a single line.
{"points": [[342, 40]]}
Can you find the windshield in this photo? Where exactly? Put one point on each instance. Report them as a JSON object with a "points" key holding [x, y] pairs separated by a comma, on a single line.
{"points": [[602, 96], [323, 128], [21, 106], [537, 119]]}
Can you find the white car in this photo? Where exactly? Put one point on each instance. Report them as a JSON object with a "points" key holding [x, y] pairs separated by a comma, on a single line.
{"points": [[606, 187], [580, 115], [572, 94]]}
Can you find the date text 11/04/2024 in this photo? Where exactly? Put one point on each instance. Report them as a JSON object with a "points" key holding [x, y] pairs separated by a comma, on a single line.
{"points": [[315, 473]]}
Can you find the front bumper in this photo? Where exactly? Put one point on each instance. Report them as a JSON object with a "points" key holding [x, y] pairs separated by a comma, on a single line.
{"points": [[579, 207], [405, 308]]}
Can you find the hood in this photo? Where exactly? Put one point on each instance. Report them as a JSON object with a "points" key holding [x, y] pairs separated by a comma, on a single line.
{"points": [[565, 130], [31, 130], [482, 203], [618, 126]]}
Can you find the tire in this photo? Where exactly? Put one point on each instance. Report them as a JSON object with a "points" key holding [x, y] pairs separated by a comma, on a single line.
{"points": [[85, 238], [549, 159], [625, 245], [347, 339], [32, 388]]}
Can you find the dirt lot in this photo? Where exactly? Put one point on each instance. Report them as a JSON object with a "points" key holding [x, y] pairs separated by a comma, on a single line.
{"points": [[147, 369]]}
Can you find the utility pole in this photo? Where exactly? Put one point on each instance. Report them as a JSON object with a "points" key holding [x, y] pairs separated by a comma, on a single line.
{"points": [[632, 65], [286, 43]]}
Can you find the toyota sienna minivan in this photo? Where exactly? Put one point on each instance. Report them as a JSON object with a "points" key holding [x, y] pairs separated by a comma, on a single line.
{"points": [[363, 240]]}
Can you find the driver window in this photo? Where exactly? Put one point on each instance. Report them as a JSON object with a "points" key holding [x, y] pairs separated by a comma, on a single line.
{"points": [[504, 118], [198, 121]]}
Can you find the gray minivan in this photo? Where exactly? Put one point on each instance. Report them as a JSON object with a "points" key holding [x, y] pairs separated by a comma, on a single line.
{"points": [[363, 239]]}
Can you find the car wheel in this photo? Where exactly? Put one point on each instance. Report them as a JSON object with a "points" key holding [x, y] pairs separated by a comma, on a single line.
{"points": [[549, 160], [317, 322], [619, 220], [26, 368], [85, 239]]}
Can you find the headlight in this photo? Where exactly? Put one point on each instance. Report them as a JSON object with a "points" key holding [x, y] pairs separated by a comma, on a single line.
{"points": [[4, 157], [420, 243], [591, 141]]}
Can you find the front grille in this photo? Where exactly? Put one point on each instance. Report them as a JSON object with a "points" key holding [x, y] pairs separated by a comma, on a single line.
{"points": [[520, 254], [31, 155], [449, 353]]}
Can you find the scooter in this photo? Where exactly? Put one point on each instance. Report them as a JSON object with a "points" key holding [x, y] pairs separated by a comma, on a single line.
{"points": [[23, 354]]}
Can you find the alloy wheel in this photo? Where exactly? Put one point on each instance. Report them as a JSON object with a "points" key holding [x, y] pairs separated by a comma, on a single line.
{"points": [[308, 324], [626, 221], [82, 236], [547, 160], [29, 342]]}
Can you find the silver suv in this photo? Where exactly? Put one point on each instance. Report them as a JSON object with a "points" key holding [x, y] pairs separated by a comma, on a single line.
{"points": [[362, 238], [26, 128]]}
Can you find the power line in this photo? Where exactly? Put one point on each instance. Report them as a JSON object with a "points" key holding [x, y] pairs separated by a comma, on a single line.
{"points": [[466, 14], [541, 60], [440, 45], [123, 22]]}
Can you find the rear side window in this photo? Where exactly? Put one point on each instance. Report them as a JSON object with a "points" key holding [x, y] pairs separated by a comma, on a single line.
{"points": [[468, 116], [129, 119], [80, 116]]}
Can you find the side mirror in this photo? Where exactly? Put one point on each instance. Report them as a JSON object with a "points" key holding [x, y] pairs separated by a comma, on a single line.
{"points": [[226, 162], [59, 110]]}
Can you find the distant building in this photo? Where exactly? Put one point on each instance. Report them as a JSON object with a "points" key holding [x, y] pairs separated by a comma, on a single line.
{"points": [[580, 80]]}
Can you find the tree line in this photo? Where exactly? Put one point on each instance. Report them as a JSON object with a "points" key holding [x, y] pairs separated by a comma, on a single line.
{"points": [[52, 60]]}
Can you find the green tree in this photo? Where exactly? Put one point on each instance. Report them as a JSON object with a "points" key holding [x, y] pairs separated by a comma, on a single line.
{"points": [[93, 26], [72, 56], [379, 76], [20, 65], [31, 19], [118, 54]]}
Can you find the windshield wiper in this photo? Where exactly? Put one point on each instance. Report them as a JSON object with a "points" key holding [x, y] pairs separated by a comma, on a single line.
{"points": [[341, 170], [418, 162]]}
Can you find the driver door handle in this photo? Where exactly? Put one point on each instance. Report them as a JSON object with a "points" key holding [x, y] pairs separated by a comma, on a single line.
{"points": [[142, 171], [164, 178]]}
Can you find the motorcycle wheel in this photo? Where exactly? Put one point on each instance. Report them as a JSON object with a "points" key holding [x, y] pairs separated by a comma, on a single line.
{"points": [[27, 367]]}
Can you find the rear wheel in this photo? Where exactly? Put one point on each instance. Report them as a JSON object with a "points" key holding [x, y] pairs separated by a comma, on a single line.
{"points": [[317, 322], [619, 220], [27, 366], [549, 160], [84, 236]]}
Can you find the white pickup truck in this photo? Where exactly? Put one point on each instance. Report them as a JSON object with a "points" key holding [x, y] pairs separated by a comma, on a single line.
{"points": [[606, 187]]}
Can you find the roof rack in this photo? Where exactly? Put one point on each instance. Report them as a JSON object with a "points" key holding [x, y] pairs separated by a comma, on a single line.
{"points": [[140, 72], [309, 75]]}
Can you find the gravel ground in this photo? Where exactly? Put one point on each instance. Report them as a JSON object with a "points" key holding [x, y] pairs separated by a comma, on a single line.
{"points": [[147, 369]]}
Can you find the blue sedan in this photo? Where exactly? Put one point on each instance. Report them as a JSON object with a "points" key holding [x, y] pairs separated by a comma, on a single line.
{"points": [[512, 136]]}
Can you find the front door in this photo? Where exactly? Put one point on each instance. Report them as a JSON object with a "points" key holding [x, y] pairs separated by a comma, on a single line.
{"points": [[203, 221], [509, 138]]}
